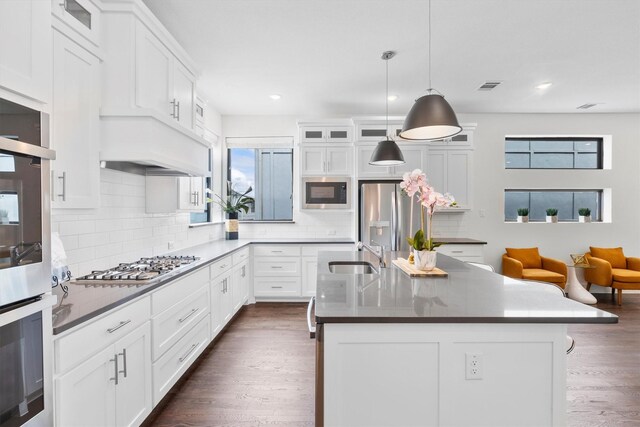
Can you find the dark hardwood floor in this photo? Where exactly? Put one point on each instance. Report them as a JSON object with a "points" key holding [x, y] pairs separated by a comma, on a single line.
{"points": [[261, 372]]}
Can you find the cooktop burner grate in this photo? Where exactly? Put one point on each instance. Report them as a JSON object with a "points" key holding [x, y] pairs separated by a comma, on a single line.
{"points": [[136, 273]]}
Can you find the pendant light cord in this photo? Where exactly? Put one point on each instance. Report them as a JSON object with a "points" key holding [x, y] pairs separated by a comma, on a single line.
{"points": [[429, 43], [387, 98]]}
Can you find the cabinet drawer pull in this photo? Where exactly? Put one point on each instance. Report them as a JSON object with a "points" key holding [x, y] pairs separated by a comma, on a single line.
{"points": [[276, 252], [193, 347], [124, 362], [191, 313], [223, 266], [276, 266], [115, 360], [120, 325], [457, 252], [276, 287]]}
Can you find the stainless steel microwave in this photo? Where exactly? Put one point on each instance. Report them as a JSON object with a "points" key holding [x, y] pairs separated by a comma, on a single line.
{"points": [[326, 193]]}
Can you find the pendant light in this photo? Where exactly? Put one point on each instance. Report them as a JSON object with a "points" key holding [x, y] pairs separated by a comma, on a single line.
{"points": [[431, 117], [387, 152]]}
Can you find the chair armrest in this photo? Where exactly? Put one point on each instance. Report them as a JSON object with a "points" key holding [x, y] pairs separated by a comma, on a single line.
{"points": [[600, 275], [554, 265], [633, 263], [511, 267]]}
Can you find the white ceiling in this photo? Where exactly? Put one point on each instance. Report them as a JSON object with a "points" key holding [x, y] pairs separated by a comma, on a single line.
{"points": [[323, 56]]}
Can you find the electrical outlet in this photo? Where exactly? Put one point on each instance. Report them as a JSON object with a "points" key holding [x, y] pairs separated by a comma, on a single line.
{"points": [[473, 366], [171, 244]]}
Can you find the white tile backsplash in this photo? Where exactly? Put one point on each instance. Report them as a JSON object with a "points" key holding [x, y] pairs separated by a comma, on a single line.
{"points": [[120, 230]]}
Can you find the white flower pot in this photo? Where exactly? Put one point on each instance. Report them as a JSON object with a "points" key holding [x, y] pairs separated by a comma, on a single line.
{"points": [[584, 218], [553, 218], [523, 218], [424, 260]]}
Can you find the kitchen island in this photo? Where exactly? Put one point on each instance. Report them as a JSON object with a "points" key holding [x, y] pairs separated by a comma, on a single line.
{"points": [[473, 348]]}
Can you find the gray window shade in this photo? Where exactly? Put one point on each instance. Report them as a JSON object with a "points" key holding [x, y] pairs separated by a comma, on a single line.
{"points": [[77, 11], [374, 132], [553, 153]]}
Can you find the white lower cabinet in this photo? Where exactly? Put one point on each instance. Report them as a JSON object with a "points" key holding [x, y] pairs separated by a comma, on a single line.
{"points": [[111, 388], [309, 275], [240, 285], [463, 252], [170, 367]]}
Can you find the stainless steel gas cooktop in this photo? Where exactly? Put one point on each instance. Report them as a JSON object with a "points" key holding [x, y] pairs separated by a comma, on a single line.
{"points": [[137, 273]]}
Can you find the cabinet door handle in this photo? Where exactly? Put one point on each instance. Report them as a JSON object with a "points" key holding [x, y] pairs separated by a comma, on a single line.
{"points": [[178, 107], [124, 362], [191, 313], [115, 360], [193, 347], [120, 325], [244, 273], [173, 108], [63, 177]]}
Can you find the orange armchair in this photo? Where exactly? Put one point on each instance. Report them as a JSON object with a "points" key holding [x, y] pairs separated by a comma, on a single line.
{"points": [[526, 263], [612, 269]]}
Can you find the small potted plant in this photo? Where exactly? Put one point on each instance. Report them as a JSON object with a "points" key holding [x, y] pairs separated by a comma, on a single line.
{"points": [[552, 215], [584, 215], [232, 205], [523, 215]]}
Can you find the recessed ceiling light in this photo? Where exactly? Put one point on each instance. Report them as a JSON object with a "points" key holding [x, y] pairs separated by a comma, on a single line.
{"points": [[544, 85], [275, 96], [392, 97]]}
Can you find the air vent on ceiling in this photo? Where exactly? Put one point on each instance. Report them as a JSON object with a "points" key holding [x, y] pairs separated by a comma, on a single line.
{"points": [[585, 106], [489, 85]]}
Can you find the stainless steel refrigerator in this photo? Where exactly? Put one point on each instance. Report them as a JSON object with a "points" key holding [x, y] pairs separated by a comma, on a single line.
{"points": [[386, 215]]}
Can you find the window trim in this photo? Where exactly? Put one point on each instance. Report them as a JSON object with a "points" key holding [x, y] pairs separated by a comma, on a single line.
{"points": [[600, 150], [602, 193]]}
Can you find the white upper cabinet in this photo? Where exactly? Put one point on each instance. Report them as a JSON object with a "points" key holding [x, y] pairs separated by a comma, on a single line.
{"points": [[154, 66], [414, 155], [377, 131], [81, 17], [162, 82], [25, 48], [75, 125], [321, 161], [332, 133], [450, 171]]}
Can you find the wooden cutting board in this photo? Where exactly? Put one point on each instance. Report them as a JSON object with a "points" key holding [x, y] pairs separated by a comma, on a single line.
{"points": [[412, 271]]}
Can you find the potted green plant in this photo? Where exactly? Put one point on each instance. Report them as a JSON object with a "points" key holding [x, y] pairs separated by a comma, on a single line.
{"points": [[523, 215], [584, 215], [232, 204], [552, 215]]}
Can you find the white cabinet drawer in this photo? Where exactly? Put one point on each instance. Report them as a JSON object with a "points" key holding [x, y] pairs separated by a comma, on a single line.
{"points": [[240, 256], [173, 292], [276, 250], [276, 266], [170, 367], [173, 323], [79, 345], [221, 266], [461, 250], [277, 286], [309, 250]]}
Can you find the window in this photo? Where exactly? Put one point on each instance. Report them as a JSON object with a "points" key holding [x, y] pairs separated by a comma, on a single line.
{"points": [[566, 201], [553, 153], [269, 172]]}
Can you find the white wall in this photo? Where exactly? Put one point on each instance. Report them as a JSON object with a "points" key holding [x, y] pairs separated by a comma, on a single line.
{"points": [[120, 230], [555, 240], [306, 223]]}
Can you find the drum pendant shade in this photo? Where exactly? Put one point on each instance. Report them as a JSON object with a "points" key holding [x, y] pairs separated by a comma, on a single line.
{"points": [[387, 153], [431, 117]]}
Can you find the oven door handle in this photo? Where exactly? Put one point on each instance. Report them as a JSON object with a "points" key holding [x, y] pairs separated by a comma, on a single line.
{"points": [[19, 147], [312, 328]]}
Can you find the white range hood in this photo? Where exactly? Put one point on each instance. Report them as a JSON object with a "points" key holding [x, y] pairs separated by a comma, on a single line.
{"points": [[140, 136]]}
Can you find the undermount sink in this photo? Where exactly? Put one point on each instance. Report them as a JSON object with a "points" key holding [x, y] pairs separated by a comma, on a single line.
{"points": [[352, 267]]}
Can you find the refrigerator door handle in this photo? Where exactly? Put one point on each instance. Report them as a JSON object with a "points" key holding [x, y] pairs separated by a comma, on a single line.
{"points": [[394, 220]]}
